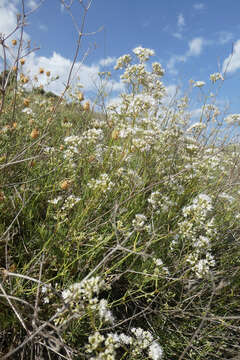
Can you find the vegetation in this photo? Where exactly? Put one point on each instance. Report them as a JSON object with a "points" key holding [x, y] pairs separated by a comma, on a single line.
{"points": [[119, 229]]}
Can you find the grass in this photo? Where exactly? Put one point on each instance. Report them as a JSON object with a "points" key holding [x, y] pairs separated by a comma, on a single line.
{"points": [[119, 229]]}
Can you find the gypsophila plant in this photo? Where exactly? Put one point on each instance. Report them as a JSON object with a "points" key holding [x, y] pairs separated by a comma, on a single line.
{"points": [[119, 228]]}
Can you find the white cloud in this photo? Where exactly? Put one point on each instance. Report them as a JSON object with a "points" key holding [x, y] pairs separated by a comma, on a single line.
{"points": [[32, 4], [173, 61], [224, 37], [108, 61], [177, 35], [196, 113], [180, 21], [232, 62], [199, 6], [8, 21], [43, 27], [195, 47]]}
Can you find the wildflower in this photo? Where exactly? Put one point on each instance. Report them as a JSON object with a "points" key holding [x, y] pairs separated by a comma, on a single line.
{"points": [[48, 73], [34, 134], [199, 84], [216, 76], [14, 42], [142, 53], [14, 68], [155, 351], [139, 221], [22, 61], [41, 71], [55, 201], [233, 119], [197, 125]]}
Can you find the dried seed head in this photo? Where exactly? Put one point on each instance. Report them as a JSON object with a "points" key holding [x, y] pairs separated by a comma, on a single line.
{"points": [[86, 106], [80, 96], [34, 134], [26, 102], [64, 185]]}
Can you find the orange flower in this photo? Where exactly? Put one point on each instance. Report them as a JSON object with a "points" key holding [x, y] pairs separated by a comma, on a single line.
{"points": [[86, 106], [14, 42], [22, 61], [14, 68], [65, 184], [34, 134], [41, 71]]}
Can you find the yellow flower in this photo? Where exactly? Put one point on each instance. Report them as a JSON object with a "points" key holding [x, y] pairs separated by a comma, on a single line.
{"points": [[41, 71], [48, 73], [14, 42]]}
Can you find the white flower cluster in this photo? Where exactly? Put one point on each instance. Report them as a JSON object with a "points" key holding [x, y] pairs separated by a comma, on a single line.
{"points": [[159, 202], [70, 202], [143, 54], [233, 119], [104, 347], [84, 290], [196, 126], [103, 184], [123, 61], [199, 84], [139, 222], [216, 76], [198, 230]]}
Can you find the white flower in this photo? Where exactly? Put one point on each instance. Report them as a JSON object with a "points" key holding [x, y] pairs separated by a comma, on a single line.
{"points": [[155, 351], [233, 119], [56, 200], [197, 125], [28, 111], [216, 76], [199, 84], [104, 313], [142, 53], [139, 221]]}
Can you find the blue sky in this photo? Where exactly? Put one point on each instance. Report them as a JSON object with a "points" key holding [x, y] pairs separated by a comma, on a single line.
{"points": [[191, 39]]}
